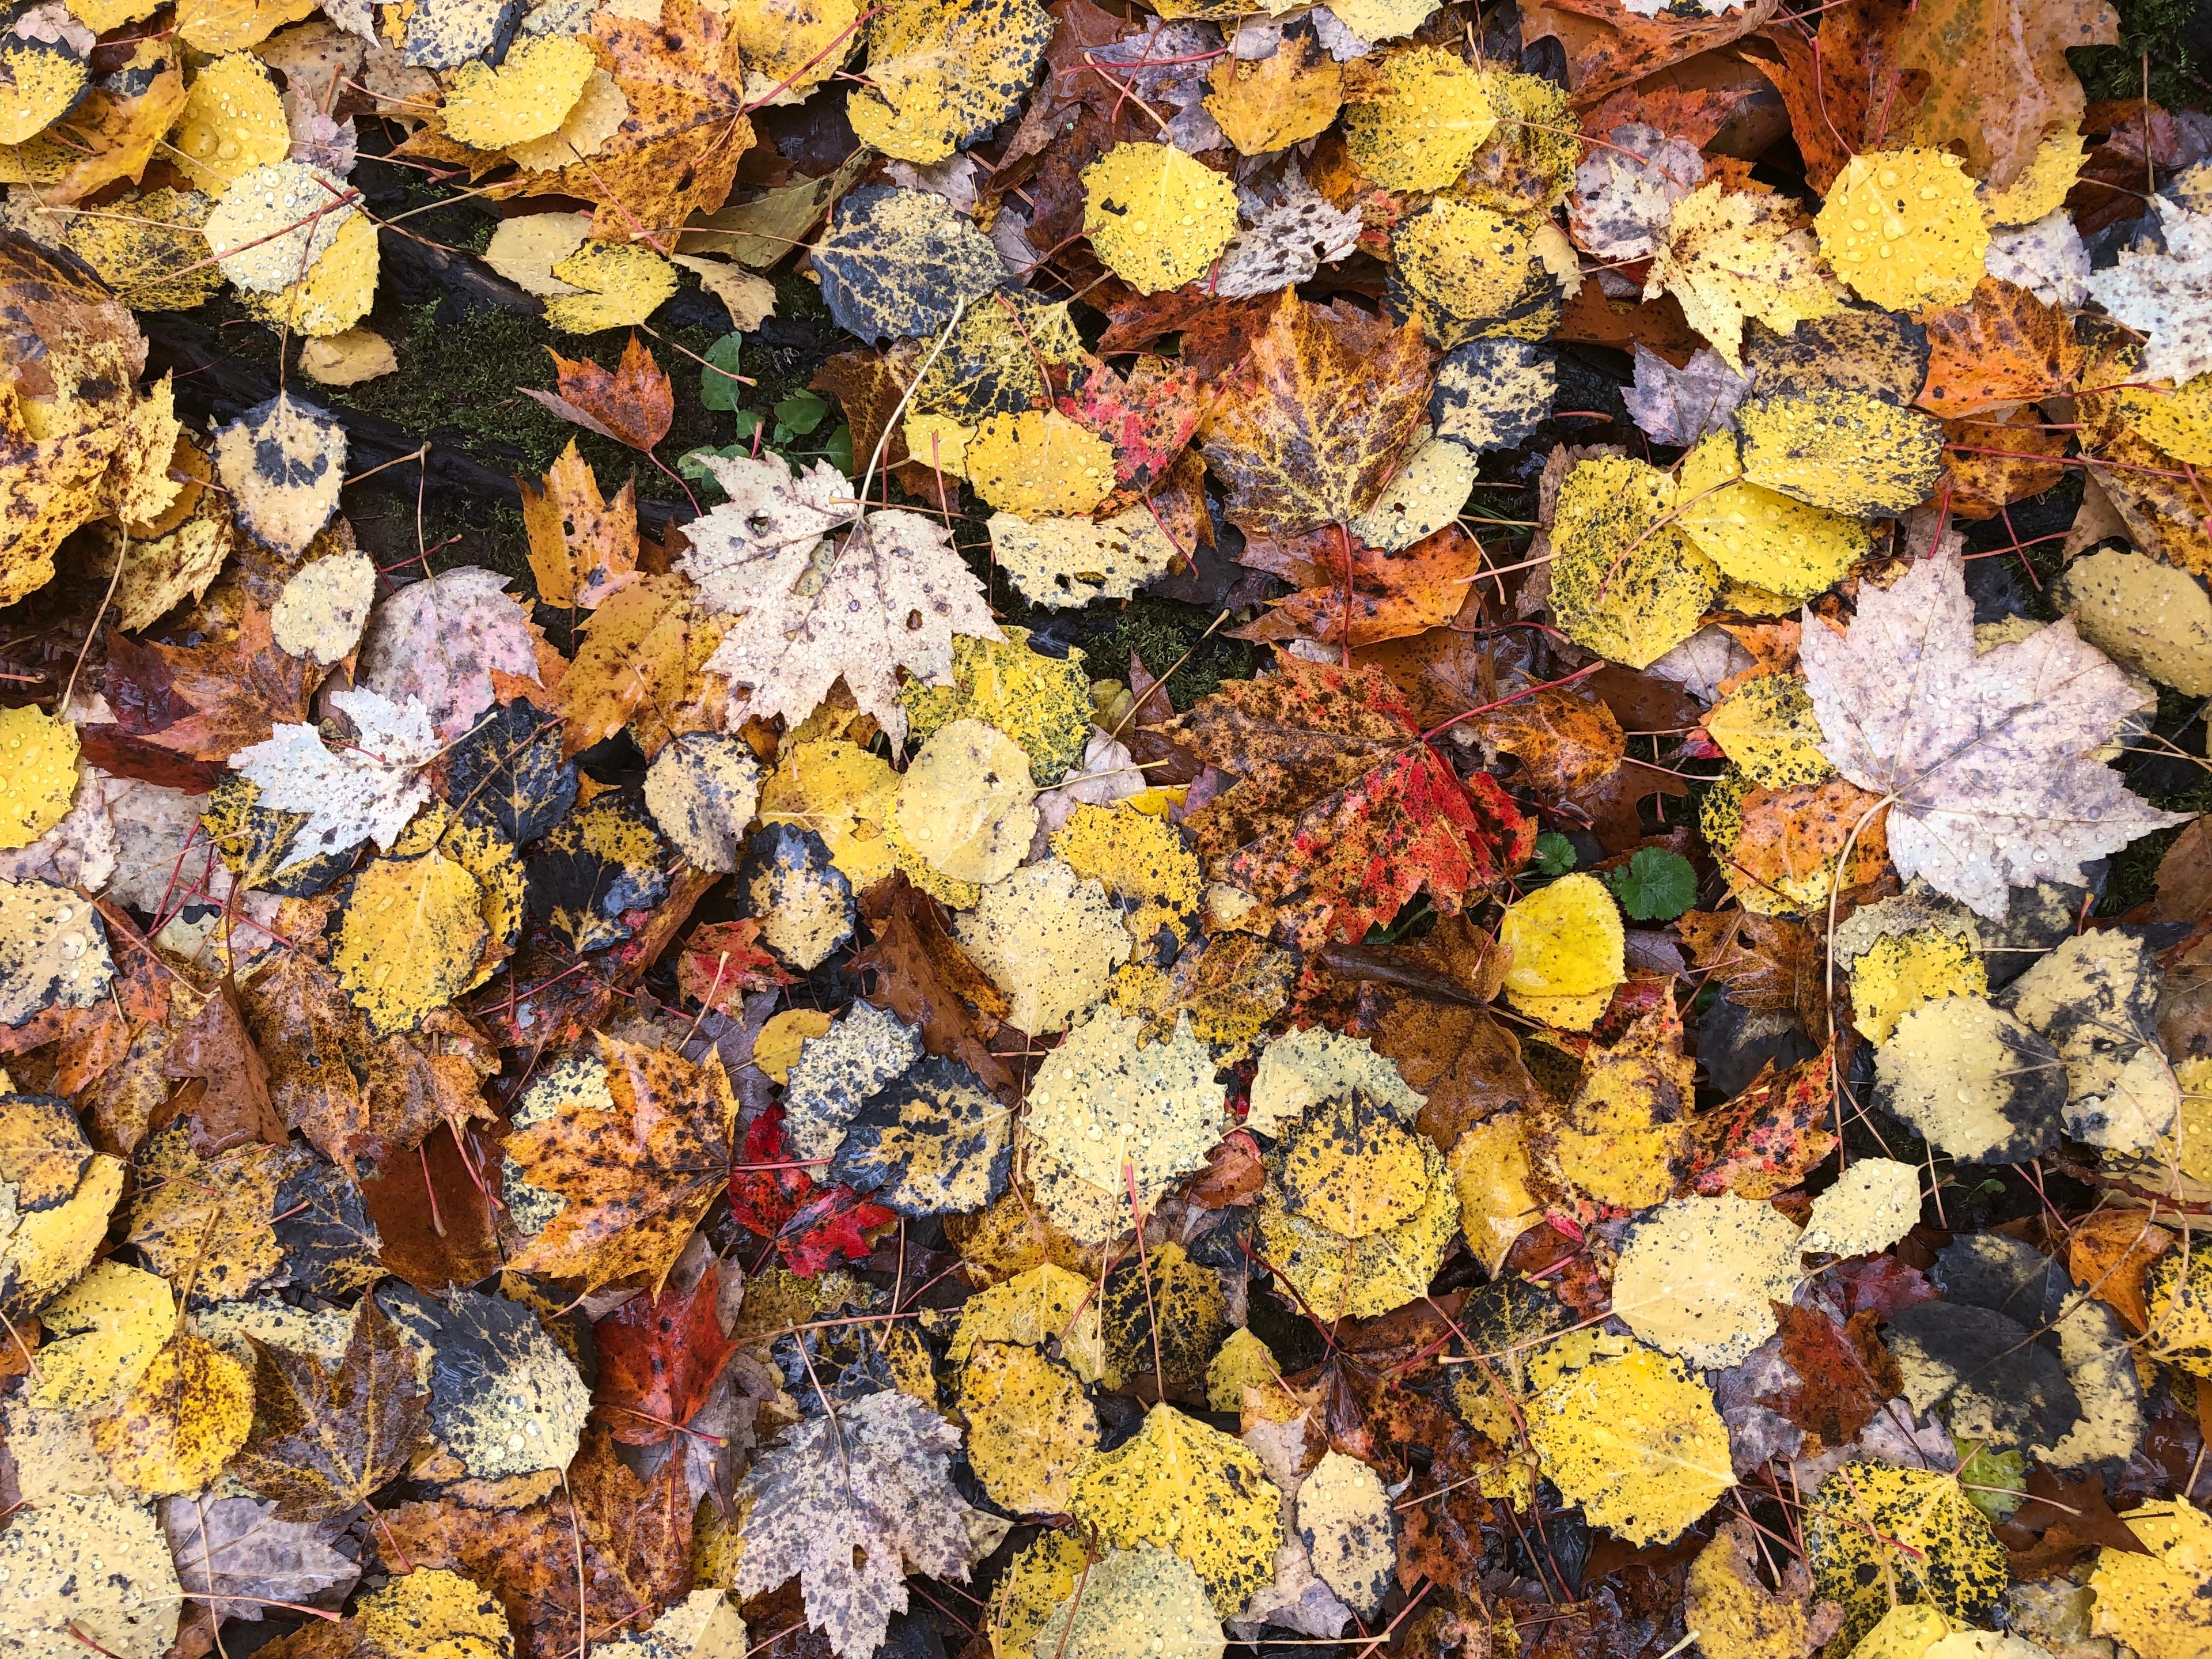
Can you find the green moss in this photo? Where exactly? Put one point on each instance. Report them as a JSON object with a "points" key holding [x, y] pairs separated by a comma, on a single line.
{"points": [[2175, 35]]}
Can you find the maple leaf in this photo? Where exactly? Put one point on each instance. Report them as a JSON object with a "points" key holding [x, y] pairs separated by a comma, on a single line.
{"points": [[581, 546], [634, 1538], [848, 1504], [803, 627], [228, 695], [633, 403], [1306, 428], [364, 789], [1341, 813], [324, 1439], [1989, 762], [659, 1356], [637, 1179], [1997, 75], [443, 642]]}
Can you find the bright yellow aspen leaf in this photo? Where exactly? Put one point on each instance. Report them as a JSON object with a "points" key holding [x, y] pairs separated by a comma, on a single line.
{"points": [[232, 121], [1039, 463], [1423, 131], [2155, 1601], [1727, 257], [1636, 1441], [1186, 1487], [38, 773], [1156, 217], [1490, 1169], [336, 292], [1759, 537], [410, 941], [1766, 727], [1565, 949], [941, 71], [1626, 582], [190, 1410], [1338, 1277], [527, 96], [1845, 450], [967, 803], [844, 795], [1029, 1426], [1904, 229], [1899, 972], [2178, 421], [1697, 1276], [1045, 1305], [102, 1335], [621, 285]]}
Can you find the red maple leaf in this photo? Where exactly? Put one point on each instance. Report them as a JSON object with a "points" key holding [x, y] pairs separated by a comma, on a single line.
{"points": [[659, 1356], [1342, 812], [812, 1225]]}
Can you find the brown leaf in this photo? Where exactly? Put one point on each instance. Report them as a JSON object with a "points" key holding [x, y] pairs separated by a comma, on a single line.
{"points": [[1304, 430], [323, 1441], [1997, 76], [1466, 1061], [214, 1048], [1789, 833], [1373, 592], [634, 1537], [433, 1217], [637, 1179], [1765, 962], [924, 976], [1989, 464], [229, 694], [633, 403], [2003, 346], [1165, 765], [1843, 1374], [1823, 81], [2185, 876], [1608, 47]]}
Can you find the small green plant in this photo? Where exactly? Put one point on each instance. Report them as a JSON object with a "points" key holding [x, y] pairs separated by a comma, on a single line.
{"points": [[1555, 854], [718, 386], [1654, 885]]}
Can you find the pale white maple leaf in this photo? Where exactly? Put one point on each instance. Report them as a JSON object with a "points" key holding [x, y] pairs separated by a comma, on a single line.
{"points": [[1991, 759], [236, 1555], [1625, 190], [368, 788], [889, 596], [848, 1507], [1287, 244], [440, 641], [2046, 257], [1674, 405], [2165, 296]]}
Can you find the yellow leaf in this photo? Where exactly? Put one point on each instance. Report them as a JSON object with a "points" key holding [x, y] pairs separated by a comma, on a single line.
{"points": [[283, 463], [966, 804], [227, 25], [1904, 229], [1636, 1440], [1877, 1536], [151, 248], [1899, 972], [411, 938], [431, 1614], [1190, 1488], [59, 1195], [1116, 1111], [1139, 1602], [88, 1568], [188, 1412], [1565, 951], [1039, 463], [40, 777], [1626, 581], [1044, 1306], [102, 1335], [1624, 1139], [1350, 1166], [1156, 218], [45, 78], [1059, 563], [1974, 1078], [347, 357], [1490, 1170], [1349, 1529], [526, 248], [1873, 1204], [1244, 1362], [1039, 1580], [204, 1224], [1043, 702], [336, 292], [2178, 420], [791, 46], [1759, 537], [1766, 727], [1736, 1616], [527, 96], [1304, 1068], [1848, 451], [1029, 1426], [619, 285], [1469, 272], [1338, 1277], [2156, 1603], [844, 795], [1420, 134], [1726, 257], [1141, 860], [941, 71], [1280, 101], [232, 121], [1051, 940], [1697, 1276], [2144, 613]]}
